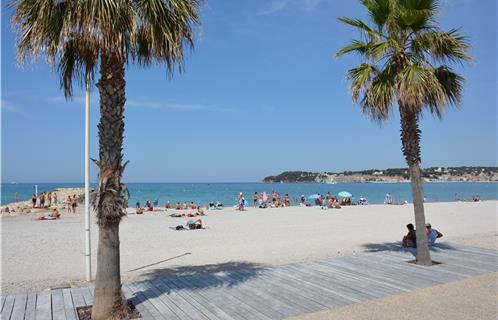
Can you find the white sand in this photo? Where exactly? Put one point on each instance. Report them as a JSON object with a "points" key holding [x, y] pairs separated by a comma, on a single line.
{"points": [[39, 254]]}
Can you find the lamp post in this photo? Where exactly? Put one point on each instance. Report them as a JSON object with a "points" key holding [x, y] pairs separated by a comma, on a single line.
{"points": [[88, 256]]}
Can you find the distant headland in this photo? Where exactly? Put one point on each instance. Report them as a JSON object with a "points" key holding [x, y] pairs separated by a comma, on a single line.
{"points": [[391, 175]]}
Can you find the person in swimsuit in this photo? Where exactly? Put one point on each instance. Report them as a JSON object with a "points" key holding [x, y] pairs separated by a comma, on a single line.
{"points": [[33, 200]]}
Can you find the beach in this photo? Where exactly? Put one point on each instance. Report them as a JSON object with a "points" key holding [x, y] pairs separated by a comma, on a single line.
{"points": [[37, 255]]}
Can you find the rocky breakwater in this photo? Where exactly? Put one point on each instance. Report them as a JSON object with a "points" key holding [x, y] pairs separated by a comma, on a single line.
{"points": [[26, 207]]}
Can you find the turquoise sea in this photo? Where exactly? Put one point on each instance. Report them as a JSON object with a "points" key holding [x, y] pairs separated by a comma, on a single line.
{"points": [[227, 192]]}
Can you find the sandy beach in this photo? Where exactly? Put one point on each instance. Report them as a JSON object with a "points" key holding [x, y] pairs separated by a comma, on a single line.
{"points": [[39, 254]]}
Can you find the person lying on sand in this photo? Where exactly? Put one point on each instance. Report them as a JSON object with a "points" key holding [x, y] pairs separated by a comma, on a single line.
{"points": [[197, 224], [200, 211], [51, 216]]}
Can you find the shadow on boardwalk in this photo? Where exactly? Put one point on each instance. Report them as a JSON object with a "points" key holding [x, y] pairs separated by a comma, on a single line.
{"points": [[396, 246], [194, 278]]}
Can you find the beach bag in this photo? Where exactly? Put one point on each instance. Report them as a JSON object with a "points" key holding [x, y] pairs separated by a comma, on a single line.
{"points": [[179, 228]]}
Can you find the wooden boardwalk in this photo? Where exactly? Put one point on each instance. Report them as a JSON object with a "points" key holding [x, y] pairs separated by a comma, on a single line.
{"points": [[269, 293]]}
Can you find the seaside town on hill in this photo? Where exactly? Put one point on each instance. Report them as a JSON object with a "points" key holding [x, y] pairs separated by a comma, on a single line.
{"points": [[391, 175]]}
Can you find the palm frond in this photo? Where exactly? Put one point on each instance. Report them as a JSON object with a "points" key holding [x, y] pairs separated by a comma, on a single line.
{"points": [[442, 46], [378, 98], [451, 85], [355, 46], [360, 78], [368, 32]]}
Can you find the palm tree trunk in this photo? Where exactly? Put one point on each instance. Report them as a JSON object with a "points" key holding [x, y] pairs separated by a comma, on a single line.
{"points": [[108, 199], [410, 139]]}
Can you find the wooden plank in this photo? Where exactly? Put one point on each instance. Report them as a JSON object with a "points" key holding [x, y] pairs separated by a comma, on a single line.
{"points": [[211, 291], [361, 283], [333, 284], [361, 272], [406, 272], [166, 307], [177, 300], [44, 306], [219, 313], [440, 272], [209, 287], [327, 298], [69, 308], [291, 294], [19, 308], [137, 301], [7, 307], [58, 312], [146, 300], [30, 312], [2, 301], [269, 306], [77, 295], [87, 295]]}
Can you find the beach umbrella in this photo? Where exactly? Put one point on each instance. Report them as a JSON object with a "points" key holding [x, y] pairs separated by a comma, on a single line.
{"points": [[344, 194], [313, 196]]}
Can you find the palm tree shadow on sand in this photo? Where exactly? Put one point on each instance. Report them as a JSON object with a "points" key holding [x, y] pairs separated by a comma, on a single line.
{"points": [[397, 247], [194, 278]]}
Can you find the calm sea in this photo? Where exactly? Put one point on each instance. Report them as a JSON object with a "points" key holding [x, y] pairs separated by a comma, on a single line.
{"points": [[227, 192]]}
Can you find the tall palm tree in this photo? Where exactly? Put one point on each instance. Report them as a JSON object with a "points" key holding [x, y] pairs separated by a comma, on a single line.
{"points": [[79, 37], [404, 54]]}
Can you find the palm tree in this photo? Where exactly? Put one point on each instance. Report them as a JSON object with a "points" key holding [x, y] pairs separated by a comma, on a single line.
{"points": [[404, 52], [79, 37]]}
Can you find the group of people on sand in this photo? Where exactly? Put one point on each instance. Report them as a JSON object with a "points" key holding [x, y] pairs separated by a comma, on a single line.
{"points": [[44, 200], [410, 240]]}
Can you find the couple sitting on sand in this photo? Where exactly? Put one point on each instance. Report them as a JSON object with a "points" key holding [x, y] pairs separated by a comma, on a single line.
{"points": [[410, 240]]}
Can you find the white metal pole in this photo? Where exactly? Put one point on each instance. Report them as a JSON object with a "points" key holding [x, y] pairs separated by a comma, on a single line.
{"points": [[36, 190], [88, 256]]}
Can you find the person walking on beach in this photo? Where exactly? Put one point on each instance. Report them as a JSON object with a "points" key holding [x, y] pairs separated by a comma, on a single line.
{"points": [[69, 202], [242, 201], [255, 199], [33, 200], [265, 198], [49, 199], [388, 199], [42, 200], [74, 203], [54, 198]]}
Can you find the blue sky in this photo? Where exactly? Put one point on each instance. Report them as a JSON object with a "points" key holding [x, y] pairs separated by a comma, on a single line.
{"points": [[262, 93]]}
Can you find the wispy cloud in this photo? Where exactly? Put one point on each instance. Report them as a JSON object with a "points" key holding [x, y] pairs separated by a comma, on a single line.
{"points": [[273, 7], [279, 5], [146, 103], [179, 106], [7, 106]]}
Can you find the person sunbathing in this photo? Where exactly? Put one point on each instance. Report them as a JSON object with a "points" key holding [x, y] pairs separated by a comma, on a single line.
{"points": [[178, 206], [197, 224], [200, 211], [51, 216], [192, 205]]}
